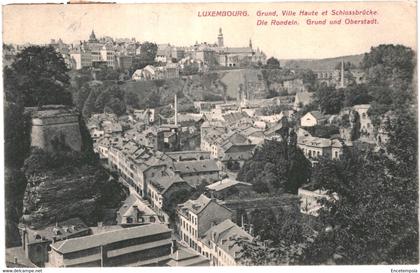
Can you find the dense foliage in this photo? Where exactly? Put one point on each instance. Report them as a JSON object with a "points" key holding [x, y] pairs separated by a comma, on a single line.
{"points": [[104, 98], [273, 63], [276, 167], [37, 77]]}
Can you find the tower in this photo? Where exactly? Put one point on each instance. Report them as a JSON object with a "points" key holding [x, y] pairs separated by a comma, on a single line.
{"points": [[92, 37], [220, 38], [342, 74], [250, 43]]}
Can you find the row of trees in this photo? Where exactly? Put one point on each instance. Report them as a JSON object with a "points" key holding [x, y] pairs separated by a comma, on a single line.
{"points": [[389, 73]]}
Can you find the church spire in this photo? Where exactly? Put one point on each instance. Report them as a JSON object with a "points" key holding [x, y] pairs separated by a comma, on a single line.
{"points": [[92, 37]]}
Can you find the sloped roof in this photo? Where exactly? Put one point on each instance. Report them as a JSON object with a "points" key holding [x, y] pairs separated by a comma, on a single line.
{"points": [[226, 183], [61, 230], [233, 117], [78, 244], [196, 166], [225, 235], [163, 183], [197, 205], [318, 115], [314, 141]]}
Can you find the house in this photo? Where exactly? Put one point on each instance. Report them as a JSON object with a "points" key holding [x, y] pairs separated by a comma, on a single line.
{"points": [[36, 242], [302, 99], [227, 187], [198, 171], [161, 188], [196, 217], [135, 246], [164, 53], [315, 147], [137, 164], [151, 72], [226, 146], [312, 118], [219, 243]]}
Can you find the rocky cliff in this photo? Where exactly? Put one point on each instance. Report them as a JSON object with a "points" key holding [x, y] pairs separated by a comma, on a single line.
{"points": [[65, 180]]}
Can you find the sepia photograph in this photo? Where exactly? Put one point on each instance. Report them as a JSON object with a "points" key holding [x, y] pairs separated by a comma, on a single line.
{"points": [[210, 134]]}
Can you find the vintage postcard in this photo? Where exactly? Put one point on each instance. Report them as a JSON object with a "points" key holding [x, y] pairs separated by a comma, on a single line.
{"points": [[210, 134]]}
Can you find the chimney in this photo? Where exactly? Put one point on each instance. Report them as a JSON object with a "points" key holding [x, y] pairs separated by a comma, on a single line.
{"points": [[176, 109], [342, 74]]}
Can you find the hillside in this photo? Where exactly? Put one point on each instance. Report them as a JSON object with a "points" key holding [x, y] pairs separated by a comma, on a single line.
{"points": [[321, 64], [209, 86]]}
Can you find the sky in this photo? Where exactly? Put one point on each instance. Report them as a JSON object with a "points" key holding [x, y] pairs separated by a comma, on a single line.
{"points": [[179, 24]]}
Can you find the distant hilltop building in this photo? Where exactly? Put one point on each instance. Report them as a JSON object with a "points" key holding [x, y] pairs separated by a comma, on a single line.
{"points": [[104, 52], [219, 54]]}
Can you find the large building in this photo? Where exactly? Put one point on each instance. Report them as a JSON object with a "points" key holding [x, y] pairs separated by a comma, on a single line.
{"points": [[95, 53], [220, 243], [195, 217], [143, 245]]}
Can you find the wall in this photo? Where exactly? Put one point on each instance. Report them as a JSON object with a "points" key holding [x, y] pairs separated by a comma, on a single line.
{"points": [[44, 130]]}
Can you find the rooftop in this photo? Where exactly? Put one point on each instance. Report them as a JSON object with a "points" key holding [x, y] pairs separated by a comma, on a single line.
{"points": [[196, 166], [163, 183], [226, 183], [196, 206], [78, 244], [225, 235], [59, 231]]}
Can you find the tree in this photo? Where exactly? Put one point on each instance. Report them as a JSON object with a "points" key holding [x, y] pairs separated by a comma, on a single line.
{"points": [[308, 77], [356, 94], [173, 201], [102, 100], [131, 99], [190, 69], [363, 226], [107, 73], [329, 99], [276, 167], [390, 65], [273, 63], [116, 106], [39, 75]]}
